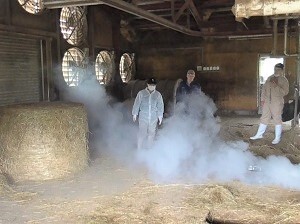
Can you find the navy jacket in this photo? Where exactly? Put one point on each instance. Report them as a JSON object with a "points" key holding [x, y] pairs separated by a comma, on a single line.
{"points": [[184, 89]]}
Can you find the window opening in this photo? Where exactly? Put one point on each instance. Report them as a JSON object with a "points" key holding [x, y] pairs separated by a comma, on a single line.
{"points": [[73, 24], [266, 67]]}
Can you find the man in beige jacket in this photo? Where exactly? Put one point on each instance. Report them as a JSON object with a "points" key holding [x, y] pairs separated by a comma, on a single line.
{"points": [[273, 91]]}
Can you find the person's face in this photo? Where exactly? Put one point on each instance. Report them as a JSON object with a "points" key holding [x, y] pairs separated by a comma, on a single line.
{"points": [[190, 77], [278, 71], [151, 87]]}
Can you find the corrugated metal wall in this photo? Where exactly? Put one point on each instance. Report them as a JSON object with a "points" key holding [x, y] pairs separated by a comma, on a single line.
{"points": [[20, 69]]}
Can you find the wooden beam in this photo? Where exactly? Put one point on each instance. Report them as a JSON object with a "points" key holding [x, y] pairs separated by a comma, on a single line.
{"points": [[260, 33], [162, 6], [147, 2], [207, 13], [217, 3], [181, 10], [195, 13], [173, 10]]}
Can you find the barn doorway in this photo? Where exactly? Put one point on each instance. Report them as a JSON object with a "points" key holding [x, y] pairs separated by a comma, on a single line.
{"points": [[265, 69]]}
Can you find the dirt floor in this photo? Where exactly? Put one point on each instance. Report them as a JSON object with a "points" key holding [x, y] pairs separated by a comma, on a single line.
{"points": [[111, 192]]}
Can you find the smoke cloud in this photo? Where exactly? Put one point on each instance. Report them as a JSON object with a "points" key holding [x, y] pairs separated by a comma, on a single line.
{"points": [[187, 149]]}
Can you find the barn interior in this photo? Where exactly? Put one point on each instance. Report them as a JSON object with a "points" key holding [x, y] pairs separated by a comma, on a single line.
{"points": [[69, 73]]}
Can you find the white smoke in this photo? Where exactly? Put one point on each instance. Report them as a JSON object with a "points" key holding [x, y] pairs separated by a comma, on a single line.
{"points": [[187, 148], [111, 130]]}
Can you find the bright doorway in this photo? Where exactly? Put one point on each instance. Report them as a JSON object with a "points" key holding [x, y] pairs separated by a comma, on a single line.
{"points": [[265, 69]]}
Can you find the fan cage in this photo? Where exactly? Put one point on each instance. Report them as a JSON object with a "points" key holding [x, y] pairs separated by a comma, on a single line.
{"points": [[73, 24], [104, 67], [32, 6], [73, 66], [127, 67]]}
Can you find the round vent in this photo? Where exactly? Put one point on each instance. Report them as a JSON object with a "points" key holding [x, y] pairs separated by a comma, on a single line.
{"points": [[32, 6], [104, 67], [73, 67], [73, 24], [127, 67]]}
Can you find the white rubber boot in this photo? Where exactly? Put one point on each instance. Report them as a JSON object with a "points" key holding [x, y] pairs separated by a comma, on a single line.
{"points": [[261, 130], [278, 131]]}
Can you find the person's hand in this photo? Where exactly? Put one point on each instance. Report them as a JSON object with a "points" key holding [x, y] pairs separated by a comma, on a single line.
{"points": [[273, 84], [274, 81], [134, 118], [160, 120]]}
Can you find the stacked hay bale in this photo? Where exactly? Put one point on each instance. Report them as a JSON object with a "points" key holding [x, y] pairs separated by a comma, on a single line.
{"points": [[43, 141]]}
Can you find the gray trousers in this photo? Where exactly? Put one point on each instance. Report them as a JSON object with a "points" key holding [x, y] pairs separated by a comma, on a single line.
{"points": [[146, 134]]}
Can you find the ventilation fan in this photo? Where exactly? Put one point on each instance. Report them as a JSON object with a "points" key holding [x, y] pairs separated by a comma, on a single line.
{"points": [[32, 6], [75, 66], [73, 24], [127, 67], [104, 67]]}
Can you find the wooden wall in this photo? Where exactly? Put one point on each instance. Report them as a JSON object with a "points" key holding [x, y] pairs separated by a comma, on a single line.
{"points": [[234, 86], [166, 55], [103, 33]]}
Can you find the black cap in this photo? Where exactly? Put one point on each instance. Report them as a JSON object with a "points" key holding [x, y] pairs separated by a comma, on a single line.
{"points": [[279, 65], [151, 81]]}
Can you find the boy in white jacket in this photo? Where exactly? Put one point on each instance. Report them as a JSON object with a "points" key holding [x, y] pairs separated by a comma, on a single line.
{"points": [[149, 108]]}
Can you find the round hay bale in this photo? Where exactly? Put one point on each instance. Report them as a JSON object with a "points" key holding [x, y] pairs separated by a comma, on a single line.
{"points": [[168, 89], [43, 141], [132, 88]]}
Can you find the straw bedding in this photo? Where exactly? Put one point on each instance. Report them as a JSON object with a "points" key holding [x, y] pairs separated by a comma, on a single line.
{"points": [[288, 147], [212, 203], [43, 141]]}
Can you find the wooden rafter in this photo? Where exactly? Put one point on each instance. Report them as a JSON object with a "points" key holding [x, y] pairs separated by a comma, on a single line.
{"points": [[181, 10], [195, 13]]}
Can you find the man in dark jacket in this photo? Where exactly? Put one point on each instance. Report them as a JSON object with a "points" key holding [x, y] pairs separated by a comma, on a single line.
{"points": [[187, 86]]}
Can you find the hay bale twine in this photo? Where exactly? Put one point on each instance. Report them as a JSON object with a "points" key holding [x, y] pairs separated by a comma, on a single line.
{"points": [[43, 141]]}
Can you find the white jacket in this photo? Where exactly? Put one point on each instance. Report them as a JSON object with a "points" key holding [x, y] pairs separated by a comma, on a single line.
{"points": [[275, 94], [149, 106]]}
